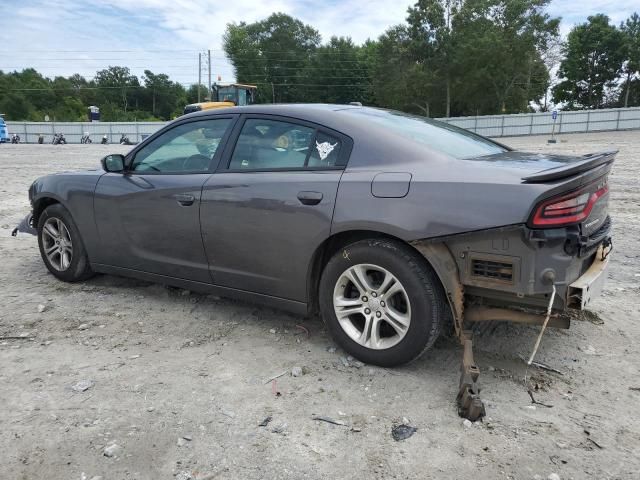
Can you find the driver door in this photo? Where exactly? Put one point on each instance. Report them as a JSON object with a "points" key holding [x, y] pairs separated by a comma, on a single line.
{"points": [[148, 217]]}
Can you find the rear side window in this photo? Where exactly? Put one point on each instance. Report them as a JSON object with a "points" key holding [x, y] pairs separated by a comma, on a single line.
{"points": [[448, 139], [271, 144]]}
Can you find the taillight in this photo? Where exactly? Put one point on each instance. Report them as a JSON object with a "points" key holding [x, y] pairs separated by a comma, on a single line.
{"points": [[569, 208]]}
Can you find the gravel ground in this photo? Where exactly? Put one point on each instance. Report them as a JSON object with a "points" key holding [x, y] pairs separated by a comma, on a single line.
{"points": [[179, 381]]}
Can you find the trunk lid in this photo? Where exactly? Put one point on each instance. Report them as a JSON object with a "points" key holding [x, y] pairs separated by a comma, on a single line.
{"points": [[543, 167], [555, 175]]}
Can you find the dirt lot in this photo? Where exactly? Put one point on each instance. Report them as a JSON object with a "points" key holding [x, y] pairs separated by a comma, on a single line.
{"points": [[180, 381]]}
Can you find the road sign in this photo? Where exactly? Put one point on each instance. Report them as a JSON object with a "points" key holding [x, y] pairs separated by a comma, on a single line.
{"points": [[554, 114]]}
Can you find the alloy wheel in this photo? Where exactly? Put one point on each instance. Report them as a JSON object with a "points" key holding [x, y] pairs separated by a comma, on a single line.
{"points": [[57, 243], [372, 306]]}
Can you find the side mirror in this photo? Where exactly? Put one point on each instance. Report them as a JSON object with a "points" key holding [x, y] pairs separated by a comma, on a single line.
{"points": [[113, 163]]}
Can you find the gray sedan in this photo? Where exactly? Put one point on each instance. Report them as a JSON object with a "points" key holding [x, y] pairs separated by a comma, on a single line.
{"points": [[393, 227]]}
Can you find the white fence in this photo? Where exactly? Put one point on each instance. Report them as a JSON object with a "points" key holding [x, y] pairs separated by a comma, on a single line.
{"points": [[542, 123], [73, 131], [488, 125]]}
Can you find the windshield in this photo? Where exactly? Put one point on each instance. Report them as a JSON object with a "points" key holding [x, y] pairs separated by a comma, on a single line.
{"points": [[227, 94], [453, 141]]}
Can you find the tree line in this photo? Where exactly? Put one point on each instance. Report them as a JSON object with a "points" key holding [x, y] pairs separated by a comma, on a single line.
{"points": [[449, 58], [121, 96]]}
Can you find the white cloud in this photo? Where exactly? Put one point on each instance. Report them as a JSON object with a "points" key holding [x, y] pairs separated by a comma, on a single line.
{"points": [[147, 33], [577, 11]]}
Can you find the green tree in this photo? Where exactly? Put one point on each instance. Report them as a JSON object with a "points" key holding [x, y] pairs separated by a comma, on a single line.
{"points": [[118, 88], [594, 56], [192, 93], [272, 54], [161, 96], [27, 95], [499, 45], [16, 107], [398, 80], [22, 93], [336, 73], [65, 101], [433, 42], [631, 68]]}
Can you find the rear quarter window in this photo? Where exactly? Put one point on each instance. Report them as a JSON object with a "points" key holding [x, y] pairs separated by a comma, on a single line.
{"points": [[442, 137]]}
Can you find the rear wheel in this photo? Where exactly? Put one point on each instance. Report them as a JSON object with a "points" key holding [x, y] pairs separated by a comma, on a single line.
{"points": [[61, 246], [382, 302]]}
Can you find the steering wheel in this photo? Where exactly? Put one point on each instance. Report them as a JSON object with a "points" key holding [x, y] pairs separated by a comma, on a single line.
{"points": [[282, 142], [196, 162]]}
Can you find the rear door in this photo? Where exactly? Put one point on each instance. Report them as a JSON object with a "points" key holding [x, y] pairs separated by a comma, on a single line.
{"points": [[148, 217], [270, 204]]}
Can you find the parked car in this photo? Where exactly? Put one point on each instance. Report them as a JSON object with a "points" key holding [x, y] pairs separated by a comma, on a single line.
{"points": [[393, 227]]}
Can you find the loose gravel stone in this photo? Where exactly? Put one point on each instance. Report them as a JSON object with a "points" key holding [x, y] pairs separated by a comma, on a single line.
{"points": [[112, 450]]}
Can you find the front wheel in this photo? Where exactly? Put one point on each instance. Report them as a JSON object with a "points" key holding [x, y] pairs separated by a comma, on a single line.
{"points": [[382, 302], [61, 246]]}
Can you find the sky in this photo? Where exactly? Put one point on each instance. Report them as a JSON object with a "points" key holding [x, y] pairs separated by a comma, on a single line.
{"points": [[62, 37]]}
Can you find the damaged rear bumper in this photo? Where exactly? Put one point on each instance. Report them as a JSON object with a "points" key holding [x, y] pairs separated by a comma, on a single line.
{"points": [[516, 267], [25, 226]]}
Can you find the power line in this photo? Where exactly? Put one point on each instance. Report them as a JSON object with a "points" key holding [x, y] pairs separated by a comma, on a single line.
{"points": [[85, 59], [163, 51], [256, 62], [249, 77], [139, 50], [75, 89], [132, 87]]}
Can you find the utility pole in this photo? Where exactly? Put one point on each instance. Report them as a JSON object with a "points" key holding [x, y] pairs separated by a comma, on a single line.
{"points": [[209, 84], [199, 74]]}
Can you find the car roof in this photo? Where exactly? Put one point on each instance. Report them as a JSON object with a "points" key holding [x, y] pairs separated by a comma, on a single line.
{"points": [[286, 109]]}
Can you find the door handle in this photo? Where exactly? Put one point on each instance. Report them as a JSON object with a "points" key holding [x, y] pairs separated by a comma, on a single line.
{"points": [[310, 198], [184, 199]]}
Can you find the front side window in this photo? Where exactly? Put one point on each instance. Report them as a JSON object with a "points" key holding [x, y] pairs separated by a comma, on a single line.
{"points": [[187, 148], [271, 144]]}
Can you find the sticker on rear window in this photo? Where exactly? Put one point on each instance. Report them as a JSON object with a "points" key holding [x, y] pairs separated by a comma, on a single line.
{"points": [[324, 149]]}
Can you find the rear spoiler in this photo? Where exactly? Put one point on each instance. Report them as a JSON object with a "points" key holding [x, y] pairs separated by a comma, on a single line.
{"points": [[591, 161]]}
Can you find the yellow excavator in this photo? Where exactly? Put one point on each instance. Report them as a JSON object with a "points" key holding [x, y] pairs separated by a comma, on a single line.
{"points": [[231, 95]]}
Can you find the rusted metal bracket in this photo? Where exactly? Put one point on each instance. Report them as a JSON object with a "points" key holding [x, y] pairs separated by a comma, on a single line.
{"points": [[479, 313], [470, 405], [468, 399]]}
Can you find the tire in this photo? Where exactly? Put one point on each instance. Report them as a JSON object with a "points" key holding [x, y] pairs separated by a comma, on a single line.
{"points": [[410, 320], [73, 265]]}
